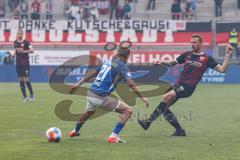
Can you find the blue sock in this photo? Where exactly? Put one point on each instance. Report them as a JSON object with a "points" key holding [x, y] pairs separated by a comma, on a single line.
{"points": [[118, 128], [78, 126]]}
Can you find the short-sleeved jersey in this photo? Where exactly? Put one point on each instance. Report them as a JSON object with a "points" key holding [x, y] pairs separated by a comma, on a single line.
{"points": [[110, 73], [194, 67], [22, 59]]}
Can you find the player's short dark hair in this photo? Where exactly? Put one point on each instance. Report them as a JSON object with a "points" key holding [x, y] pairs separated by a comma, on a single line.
{"points": [[197, 36], [124, 50]]}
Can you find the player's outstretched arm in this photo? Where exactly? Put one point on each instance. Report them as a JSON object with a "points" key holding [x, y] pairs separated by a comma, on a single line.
{"points": [[87, 77], [222, 68], [135, 89], [168, 63]]}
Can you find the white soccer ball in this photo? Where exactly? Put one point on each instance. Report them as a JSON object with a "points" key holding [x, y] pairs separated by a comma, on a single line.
{"points": [[53, 134]]}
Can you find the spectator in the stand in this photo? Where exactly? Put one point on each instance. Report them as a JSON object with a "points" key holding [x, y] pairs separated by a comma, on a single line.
{"points": [[49, 9], [86, 13], [151, 4], [73, 11], [94, 12], [67, 4], [9, 3], [126, 10], [188, 4], [103, 6], [24, 9], [80, 13], [238, 4], [176, 10], [113, 8], [2, 9], [36, 7], [12, 4], [188, 13], [218, 8], [193, 8], [118, 12], [233, 40], [16, 14]]}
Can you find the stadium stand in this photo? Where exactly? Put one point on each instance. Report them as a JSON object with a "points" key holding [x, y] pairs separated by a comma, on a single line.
{"points": [[204, 9]]}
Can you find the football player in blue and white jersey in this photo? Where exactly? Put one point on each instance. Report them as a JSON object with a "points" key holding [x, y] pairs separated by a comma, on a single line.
{"points": [[107, 77]]}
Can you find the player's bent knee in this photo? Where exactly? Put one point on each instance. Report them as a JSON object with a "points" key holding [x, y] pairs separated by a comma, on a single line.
{"points": [[122, 108], [169, 97], [127, 111], [172, 95], [165, 98]]}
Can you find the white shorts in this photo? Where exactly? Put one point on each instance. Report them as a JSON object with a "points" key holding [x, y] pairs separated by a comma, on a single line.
{"points": [[107, 103]]}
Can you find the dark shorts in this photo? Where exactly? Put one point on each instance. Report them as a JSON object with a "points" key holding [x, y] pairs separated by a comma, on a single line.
{"points": [[183, 90], [23, 71]]}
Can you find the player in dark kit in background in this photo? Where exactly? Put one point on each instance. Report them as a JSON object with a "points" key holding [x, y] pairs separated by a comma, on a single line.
{"points": [[22, 49], [196, 62]]}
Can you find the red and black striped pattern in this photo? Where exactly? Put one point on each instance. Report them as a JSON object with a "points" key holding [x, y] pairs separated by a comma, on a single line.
{"points": [[194, 67]]}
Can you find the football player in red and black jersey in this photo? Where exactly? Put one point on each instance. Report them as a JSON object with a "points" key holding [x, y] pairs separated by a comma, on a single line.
{"points": [[22, 49], [196, 62]]}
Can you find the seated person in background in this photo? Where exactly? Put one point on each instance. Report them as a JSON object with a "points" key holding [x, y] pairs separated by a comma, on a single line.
{"points": [[176, 10], [73, 11], [16, 14], [94, 12], [24, 9], [36, 6], [188, 13], [126, 10], [102, 6], [2, 9]]}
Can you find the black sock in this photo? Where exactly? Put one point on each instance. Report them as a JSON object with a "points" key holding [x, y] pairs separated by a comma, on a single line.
{"points": [[171, 118], [29, 87], [22, 86], [157, 112]]}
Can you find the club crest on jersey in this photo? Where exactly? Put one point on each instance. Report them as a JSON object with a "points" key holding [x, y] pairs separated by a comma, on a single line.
{"points": [[180, 89], [194, 63], [22, 45]]}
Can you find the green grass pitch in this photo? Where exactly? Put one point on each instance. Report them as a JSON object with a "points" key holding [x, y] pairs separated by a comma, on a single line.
{"points": [[211, 118]]}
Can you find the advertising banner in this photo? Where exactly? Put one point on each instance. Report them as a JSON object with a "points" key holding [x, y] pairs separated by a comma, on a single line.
{"points": [[53, 58], [223, 30], [143, 74], [139, 57], [140, 32]]}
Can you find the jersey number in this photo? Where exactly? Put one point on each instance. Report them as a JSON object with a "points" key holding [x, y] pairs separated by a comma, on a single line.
{"points": [[103, 73]]}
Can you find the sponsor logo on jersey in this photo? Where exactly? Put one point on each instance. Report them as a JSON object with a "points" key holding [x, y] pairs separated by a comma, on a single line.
{"points": [[180, 89]]}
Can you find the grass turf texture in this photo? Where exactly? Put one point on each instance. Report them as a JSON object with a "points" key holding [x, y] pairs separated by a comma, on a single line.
{"points": [[210, 117]]}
